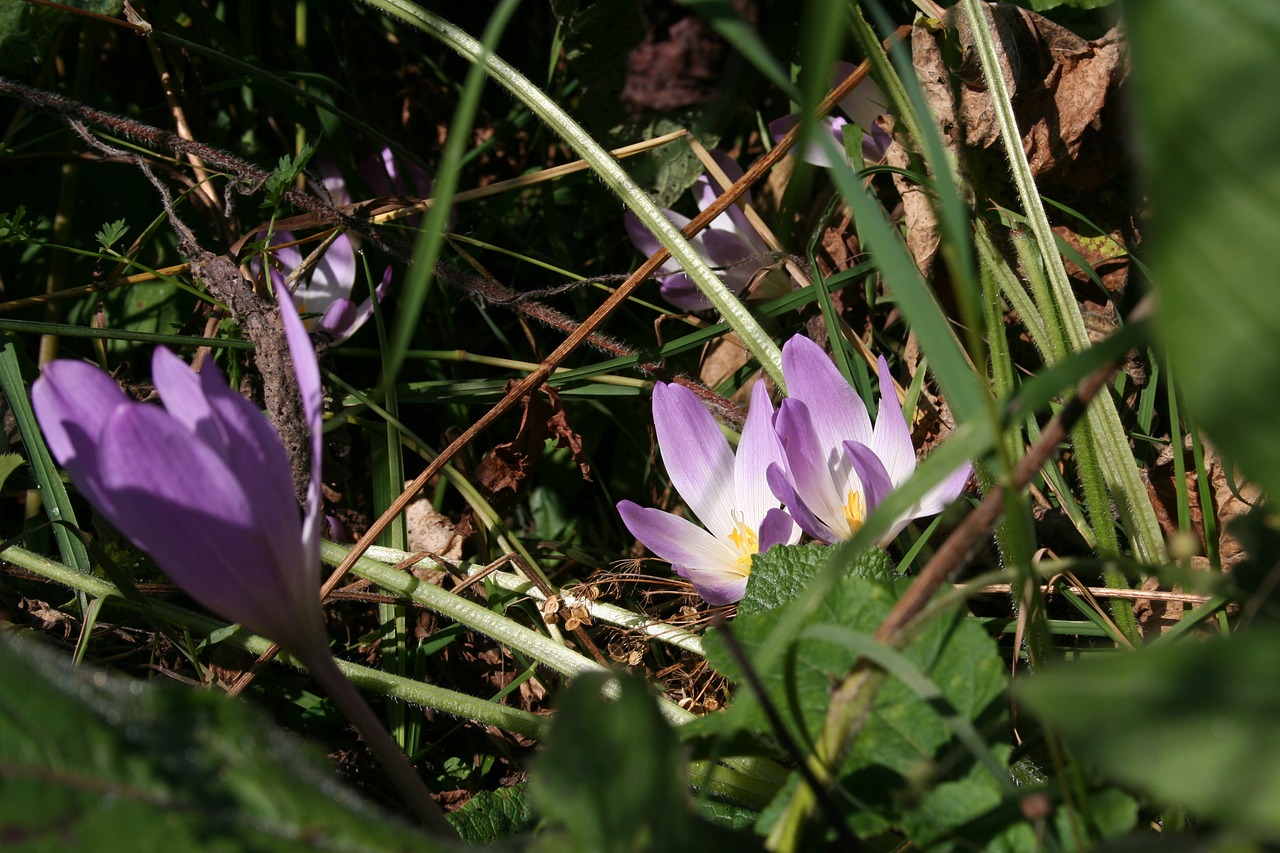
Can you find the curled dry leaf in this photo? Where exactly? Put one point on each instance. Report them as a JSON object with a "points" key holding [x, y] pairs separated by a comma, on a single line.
{"points": [[1065, 93]]}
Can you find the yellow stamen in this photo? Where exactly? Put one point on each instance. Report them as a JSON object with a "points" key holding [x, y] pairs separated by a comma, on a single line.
{"points": [[854, 513], [747, 542]]}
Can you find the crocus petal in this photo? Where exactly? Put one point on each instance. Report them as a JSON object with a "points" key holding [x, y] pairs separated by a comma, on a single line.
{"points": [[891, 439], [383, 174], [680, 291], [706, 191], [697, 456], [936, 499], [344, 319], [72, 401], [177, 500], [818, 472], [644, 241], [696, 554], [717, 591], [810, 152], [837, 412], [331, 278], [726, 250], [307, 370], [758, 449], [873, 479], [781, 486], [866, 102], [778, 528]]}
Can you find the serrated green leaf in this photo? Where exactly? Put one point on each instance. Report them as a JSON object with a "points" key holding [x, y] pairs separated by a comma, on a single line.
{"points": [[9, 462], [779, 575], [110, 233], [493, 815], [91, 761], [286, 173], [1191, 723], [905, 736]]}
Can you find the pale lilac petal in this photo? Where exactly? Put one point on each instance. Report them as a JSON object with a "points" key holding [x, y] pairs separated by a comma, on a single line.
{"points": [[725, 250], [778, 528], [335, 184], [720, 590], [866, 102], [706, 191], [178, 500], [383, 174], [344, 319], [734, 220], [891, 439], [810, 152], [680, 291], [838, 413], [785, 492], [72, 401], [186, 396], [875, 143], [697, 456], [813, 466], [873, 480], [936, 499], [340, 320], [332, 277], [758, 449], [681, 542], [644, 241], [307, 370]]}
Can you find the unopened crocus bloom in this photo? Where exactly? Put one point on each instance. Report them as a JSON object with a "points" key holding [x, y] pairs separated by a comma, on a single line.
{"points": [[838, 467], [863, 106], [726, 243], [203, 485], [729, 494]]}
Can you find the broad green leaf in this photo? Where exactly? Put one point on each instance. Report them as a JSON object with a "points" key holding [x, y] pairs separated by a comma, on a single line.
{"points": [[778, 576], [904, 731], [493, 815], [1192, 723], [1204, 78], [612, 778], [26, 29], [91, 761]]}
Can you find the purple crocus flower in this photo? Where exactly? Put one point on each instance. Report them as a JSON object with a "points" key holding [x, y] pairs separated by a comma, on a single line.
{"points": [[729, 494], [203, 485], [863, 105], [837, 466], [726, 242]]}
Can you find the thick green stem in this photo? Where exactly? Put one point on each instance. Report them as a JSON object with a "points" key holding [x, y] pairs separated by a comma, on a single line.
{"points": [[344, 694], [607, 169]]}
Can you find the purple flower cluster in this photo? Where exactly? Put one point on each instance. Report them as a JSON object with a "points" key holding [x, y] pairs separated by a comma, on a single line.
{"points": [[818, 455]]}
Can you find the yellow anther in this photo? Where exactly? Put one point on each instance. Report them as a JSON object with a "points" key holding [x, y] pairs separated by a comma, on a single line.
{"points": [[747, 542], [854, 513]]}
